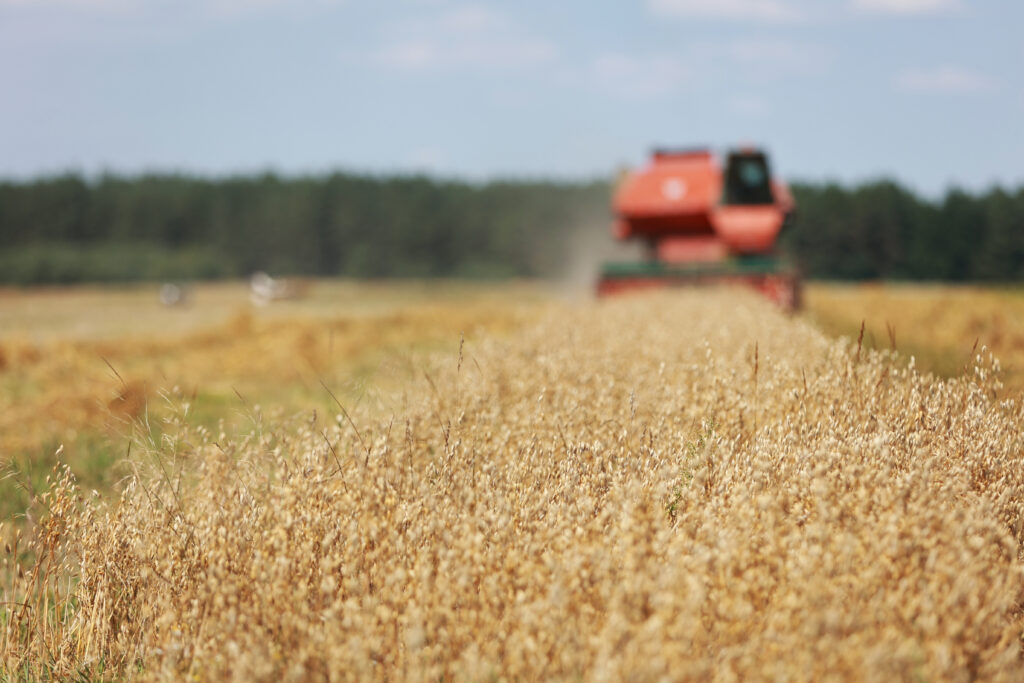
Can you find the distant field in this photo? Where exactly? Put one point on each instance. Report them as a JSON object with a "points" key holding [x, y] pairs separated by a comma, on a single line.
{"points": [[61, 347], [943, 326], [460, 481], [133, 312], [80, 366]]}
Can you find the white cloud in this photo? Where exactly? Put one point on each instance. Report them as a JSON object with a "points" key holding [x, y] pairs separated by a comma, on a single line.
{"points": [[944, 80], [472, 36], [639, 77], [765, 50], [200, 7], [244, 6], [93, 5], [663, 74], [777, 56], [472, 19], [907, 7], [429, 159], [216, 8], [734, 10], [758, 59], [750, 105]]}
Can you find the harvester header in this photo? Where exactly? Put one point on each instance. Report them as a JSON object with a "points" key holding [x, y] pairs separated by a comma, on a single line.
{"points": [[703, 222]]}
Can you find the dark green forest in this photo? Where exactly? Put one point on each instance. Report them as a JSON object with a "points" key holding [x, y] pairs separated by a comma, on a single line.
{"points": [[158, 227]]}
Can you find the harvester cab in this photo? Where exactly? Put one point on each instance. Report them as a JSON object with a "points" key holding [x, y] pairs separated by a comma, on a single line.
{"points": [[747, 179], [704, 224]]}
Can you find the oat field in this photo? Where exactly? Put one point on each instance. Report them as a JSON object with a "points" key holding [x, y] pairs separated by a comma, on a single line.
{"points": [[677, 486]]}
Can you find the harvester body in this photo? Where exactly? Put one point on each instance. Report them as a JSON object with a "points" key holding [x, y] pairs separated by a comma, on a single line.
{"points": [[703, 223]]}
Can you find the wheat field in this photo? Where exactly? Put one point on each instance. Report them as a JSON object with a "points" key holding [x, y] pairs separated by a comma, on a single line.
{"points": [[81, 366], [942, 325], [679, 486]]}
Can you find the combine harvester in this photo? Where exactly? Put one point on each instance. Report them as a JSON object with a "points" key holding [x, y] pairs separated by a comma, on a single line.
{"points": [[704, 225]]}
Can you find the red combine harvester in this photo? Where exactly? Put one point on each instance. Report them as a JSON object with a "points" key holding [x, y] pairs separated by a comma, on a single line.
{"points": [[704, 225]]}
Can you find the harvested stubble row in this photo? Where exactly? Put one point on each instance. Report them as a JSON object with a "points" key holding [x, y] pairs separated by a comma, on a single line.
{"points": [[676, 486]]}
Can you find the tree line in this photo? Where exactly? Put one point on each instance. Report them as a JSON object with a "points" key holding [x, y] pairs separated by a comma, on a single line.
{"points": [[71, 229], [883, 230]]}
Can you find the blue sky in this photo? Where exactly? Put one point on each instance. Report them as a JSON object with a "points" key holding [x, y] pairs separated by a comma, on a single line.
{"points": [[929, 92]]}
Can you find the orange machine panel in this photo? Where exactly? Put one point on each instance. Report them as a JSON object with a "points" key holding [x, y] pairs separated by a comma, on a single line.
{"points": [[673, 194], [748, 229]]}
